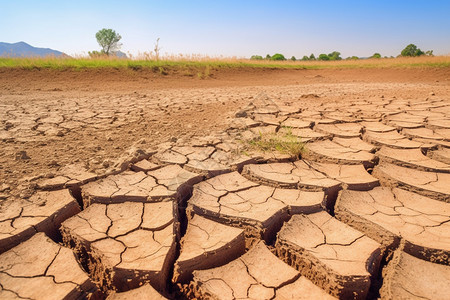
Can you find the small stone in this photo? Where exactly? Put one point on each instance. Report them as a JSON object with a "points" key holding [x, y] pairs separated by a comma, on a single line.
{"points": [[241, 114], [22, 155], [432, 94]]}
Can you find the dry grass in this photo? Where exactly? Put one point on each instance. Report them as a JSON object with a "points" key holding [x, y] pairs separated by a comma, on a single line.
{"points": [[147, 60], [283, 142]]}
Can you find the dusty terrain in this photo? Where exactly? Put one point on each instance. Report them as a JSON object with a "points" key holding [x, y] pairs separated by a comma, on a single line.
{"points": [[141, 176]]}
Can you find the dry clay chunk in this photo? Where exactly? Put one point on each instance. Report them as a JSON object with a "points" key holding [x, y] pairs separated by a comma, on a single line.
{"points": [[430, 184], [331, 254], [68, 176], [258, 274], [42, 269], [232, 199], [43, 212], [127, 243], [386, 216], [145, 292], [412, 158], [345, 130], [156, 185], [392, 139], [207, 244], [407, 277], [328, 151]]}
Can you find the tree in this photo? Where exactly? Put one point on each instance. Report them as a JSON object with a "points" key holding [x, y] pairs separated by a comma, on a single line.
{"points": [[335, 55], [376, 55], [293, 58], [323, 57], [412, 50], [305, 57], [278, 56], [268, 56], [256, 57], [353, 57], [312, 57], [108, 39]]}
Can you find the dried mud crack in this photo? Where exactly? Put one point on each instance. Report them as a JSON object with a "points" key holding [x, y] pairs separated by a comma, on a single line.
{"points": [[363, 212]]}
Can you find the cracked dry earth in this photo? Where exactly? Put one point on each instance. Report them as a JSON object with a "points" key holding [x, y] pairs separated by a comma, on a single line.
{"points": [[363, 213]]}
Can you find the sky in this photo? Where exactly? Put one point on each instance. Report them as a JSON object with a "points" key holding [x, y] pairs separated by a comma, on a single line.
{"points": [[232, 28]]}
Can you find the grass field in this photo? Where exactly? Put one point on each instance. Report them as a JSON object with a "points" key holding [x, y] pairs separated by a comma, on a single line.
{"points": [[180, 62]]}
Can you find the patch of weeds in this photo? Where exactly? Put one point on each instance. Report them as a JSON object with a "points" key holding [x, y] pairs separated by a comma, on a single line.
{"points": [[283, 142], [162, 71]]}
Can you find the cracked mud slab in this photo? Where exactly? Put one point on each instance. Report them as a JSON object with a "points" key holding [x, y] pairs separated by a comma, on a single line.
{"points": [[425, 133], [306, 134], [145, 292], [144, 166], [41, 269], [343, 130], [376, 126], [258, 274], [260, 210], [334, 256], [389, 216], [393, 139], [407, 277], [431, 184], [355, 144], [68, 176], [412, 158], [442, 155], [207, 244], [125, 244], [328, 151], [168, 182], [43, 212]]}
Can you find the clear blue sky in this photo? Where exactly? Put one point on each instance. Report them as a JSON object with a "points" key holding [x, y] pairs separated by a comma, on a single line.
{"points": [[232, 28]]}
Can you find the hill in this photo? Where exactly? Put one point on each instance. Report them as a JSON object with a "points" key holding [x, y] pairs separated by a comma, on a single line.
{"points": [[22, 49]]}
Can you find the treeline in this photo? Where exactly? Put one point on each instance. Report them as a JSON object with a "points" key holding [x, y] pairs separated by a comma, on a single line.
{"points": [[410, 50]]}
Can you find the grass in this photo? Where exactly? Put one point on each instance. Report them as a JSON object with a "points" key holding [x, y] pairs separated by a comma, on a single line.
{"points": [[208, 63], [282, 141]]}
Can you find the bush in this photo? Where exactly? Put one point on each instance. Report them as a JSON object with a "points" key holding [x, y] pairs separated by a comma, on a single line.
{"points": [[412, 50], [268, 56], [305, 57], [278, 56], [323, 57], [376, 55], [335, 55], [293, 58], [256, 57], [353, 57], [312, 57]]}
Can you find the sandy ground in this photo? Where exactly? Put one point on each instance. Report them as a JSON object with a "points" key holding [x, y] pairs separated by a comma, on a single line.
{"points": [[51, 118]]}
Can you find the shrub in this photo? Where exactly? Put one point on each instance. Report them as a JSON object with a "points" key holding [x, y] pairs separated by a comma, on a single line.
{"points": [[323, 57], [278, 56], [293, 58], [305, 57], [312, 57], [256, 57], [376, 55]]}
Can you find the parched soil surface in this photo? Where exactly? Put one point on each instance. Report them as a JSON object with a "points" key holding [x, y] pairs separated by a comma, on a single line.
{"points": [[126, 184]]}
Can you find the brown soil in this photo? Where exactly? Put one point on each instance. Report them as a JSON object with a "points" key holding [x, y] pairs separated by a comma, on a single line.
{"points": [[146, 178]]}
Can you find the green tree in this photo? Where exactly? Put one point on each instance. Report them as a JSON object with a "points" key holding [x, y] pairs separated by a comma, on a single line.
{"points": [[412, 50], [293, 58], [312, 57], [305, 57], [278, 56], [353, 57], [376, 55], [323, 57], [268, 56], [256, 57], [335, 55], [108, 39], [429, 53]]}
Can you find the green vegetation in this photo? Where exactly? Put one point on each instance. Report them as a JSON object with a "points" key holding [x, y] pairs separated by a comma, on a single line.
{"points": [[277, 56], [353, 57], [283, 142], [376, 55], [413, 50], [293, 58], [323, 57], [256, 57], [108, 39]]}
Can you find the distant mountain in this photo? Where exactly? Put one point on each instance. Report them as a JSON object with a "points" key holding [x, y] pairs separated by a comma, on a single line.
{"points": [[22, 49]]}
